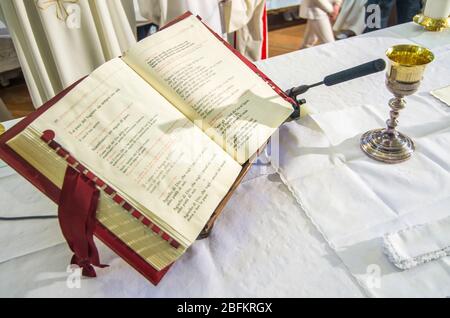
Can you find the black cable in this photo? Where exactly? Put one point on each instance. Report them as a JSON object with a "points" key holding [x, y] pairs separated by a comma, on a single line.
{"points": [[23, 218]]}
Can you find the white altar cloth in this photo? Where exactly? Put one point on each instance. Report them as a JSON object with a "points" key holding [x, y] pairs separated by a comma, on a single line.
{"points": [[351, 199], [262, 245]]}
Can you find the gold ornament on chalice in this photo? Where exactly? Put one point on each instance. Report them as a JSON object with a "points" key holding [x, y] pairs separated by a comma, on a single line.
{"points": [[432, 24], [407, 64]]}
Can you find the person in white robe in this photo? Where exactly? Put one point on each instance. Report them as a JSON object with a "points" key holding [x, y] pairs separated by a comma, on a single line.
{"points": [[242, 22], [320, 14], [247, 19], [60, 41], [351, 18], [161, 12]]}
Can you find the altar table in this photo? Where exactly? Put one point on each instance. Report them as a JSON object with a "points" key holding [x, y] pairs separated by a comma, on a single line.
{"points": [[263, 245]]}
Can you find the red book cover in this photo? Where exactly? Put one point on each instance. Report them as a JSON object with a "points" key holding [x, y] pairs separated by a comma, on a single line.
{"points": [[53, 192]]}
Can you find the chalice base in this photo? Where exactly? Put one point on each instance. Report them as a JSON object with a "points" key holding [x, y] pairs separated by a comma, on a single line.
{"points": [[387, 147]]}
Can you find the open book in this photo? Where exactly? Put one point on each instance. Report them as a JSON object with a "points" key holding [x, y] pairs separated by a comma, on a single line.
{"points": [[168, 126]]}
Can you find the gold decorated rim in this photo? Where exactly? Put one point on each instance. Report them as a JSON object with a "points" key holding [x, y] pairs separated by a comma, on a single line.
{"points": [[2, 129], [410, 55]]}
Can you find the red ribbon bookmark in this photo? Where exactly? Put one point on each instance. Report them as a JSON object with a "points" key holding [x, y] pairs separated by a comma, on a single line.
{"points": [[76, 213]]}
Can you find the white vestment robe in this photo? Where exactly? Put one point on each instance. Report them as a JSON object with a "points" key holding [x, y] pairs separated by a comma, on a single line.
{"points": [[60, 41], [245, 20], [162, 11], [248, 19], [351, 17]]}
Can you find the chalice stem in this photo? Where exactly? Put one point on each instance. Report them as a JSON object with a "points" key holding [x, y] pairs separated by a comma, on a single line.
{"points": [[397, 103]]}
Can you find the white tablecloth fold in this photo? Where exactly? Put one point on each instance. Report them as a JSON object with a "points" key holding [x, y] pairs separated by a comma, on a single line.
{"points": [[419, 244], [443, 94], [353, 200]]}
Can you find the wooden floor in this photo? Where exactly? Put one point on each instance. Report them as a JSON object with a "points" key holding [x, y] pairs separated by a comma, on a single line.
{"points": [[281, 41], [285, 40], [17, 99]]}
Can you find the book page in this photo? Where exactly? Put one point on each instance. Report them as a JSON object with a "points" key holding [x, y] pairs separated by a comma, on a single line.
{"points": [[131, 137], [128, 229], [211, 86]]}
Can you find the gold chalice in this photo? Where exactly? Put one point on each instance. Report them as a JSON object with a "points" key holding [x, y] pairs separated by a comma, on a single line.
{"points": [[432, 24], [407, 64]]}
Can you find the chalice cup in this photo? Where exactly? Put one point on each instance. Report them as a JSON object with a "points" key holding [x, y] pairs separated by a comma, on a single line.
{"points": [[406, 66]]}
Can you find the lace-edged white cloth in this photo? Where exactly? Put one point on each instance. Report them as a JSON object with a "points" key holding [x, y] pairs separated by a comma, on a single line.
{"points": [[417, 245]]}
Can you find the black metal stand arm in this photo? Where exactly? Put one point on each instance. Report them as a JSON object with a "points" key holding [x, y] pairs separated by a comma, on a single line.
{"points": [[333, 79]]}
